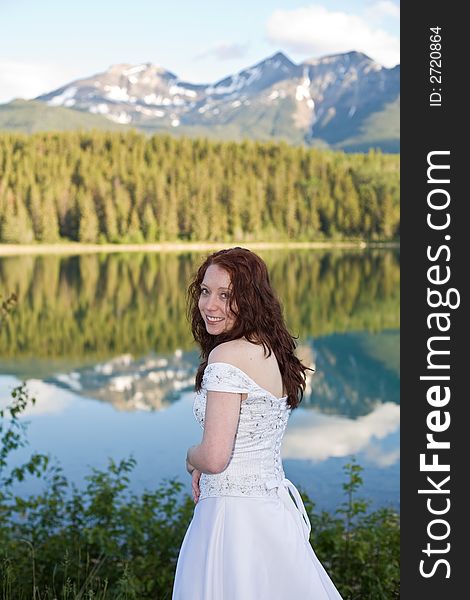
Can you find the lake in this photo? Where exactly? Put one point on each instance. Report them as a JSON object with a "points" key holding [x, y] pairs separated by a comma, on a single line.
{"points": [[104, 345]]}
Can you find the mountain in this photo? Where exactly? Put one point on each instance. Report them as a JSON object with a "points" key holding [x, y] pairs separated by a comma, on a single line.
{"points": [[344, 101], [127, 94]]}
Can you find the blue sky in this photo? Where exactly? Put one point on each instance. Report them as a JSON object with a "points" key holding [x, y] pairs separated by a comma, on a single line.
{"points": [[47, 43]]}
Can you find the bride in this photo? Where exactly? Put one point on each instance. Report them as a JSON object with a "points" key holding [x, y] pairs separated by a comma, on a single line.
{"points": [[249, 538]]}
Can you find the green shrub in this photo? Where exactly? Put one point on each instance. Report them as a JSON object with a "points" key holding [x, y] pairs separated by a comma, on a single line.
{"points": [[359, 549]]}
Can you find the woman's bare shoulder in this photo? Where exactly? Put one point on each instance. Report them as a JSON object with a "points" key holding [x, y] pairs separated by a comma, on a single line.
{"points": [[233, 352], [250, 359], [236, 352]]}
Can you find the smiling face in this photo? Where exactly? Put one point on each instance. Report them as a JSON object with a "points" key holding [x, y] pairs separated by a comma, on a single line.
{"points": [[214, 301]]}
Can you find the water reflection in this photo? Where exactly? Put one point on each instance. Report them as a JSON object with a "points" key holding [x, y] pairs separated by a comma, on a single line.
{"points": [[149, 383], [95, 307], [106, 346], [310, 434], [83, 433], [352, 376], [316, 436]]}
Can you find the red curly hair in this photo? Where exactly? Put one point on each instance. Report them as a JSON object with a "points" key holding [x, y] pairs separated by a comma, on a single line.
{"points": [[258, 317]]}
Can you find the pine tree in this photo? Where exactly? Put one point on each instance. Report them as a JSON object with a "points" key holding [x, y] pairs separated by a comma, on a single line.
{"points": [[49, 224], [170, 216], [352, 208], [110, 222], [134, 233], [35, 210], [88, 227], [122, 203], [149, 225], [387, 223], [15, 224]]}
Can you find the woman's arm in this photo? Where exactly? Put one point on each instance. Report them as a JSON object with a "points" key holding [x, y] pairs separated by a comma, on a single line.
{"points": [[213, 454]]}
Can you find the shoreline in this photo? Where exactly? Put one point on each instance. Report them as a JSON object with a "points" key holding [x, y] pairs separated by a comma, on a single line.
{"points": [[77, 248]]}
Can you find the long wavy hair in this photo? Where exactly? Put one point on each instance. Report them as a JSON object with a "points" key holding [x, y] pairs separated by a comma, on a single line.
{"points": [[258, 317]]}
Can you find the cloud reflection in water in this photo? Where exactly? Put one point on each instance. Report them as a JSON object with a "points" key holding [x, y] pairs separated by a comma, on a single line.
{"points": [[316, 436]]}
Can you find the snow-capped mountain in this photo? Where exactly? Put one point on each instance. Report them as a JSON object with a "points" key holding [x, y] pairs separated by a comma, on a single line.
{"points": [[132, 93], [127, 93], [328, 100], [257, 78]]}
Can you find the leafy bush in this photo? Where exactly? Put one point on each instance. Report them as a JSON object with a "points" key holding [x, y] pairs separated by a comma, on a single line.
{"points": [[359, 549]]}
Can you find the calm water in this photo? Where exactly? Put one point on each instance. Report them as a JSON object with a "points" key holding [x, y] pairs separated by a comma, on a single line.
{"points": [[105, 347]]}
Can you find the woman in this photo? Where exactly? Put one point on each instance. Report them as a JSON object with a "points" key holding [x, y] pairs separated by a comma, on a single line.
{"points": [[248, 539]]}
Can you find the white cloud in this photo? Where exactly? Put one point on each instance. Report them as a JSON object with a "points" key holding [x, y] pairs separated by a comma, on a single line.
{"points": [[383, 9], [28, 80], [317, 31]]}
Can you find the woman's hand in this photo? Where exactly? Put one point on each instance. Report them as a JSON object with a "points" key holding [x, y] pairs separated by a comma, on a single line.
{"points": [[195, 475], [189, 467], [195, 484]]}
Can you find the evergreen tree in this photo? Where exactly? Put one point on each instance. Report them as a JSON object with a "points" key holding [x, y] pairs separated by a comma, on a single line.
{"points": [[15, 224], [35, 210], [111, 229], [122, 203], [352, 207], [134, 233], [49, 224], [149, 225], [88, 226]]}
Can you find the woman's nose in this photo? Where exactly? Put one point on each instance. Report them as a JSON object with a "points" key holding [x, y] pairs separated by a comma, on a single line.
{"points": [[212, 303]]}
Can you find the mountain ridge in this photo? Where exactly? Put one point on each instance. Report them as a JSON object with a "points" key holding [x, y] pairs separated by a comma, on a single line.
{"points": [[334, 101]]}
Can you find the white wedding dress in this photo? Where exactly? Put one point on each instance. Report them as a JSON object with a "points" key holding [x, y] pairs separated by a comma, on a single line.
{"points": [[248, 539]]}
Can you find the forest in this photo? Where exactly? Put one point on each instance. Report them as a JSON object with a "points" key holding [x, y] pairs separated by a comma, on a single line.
{"points": [[104, 187]]}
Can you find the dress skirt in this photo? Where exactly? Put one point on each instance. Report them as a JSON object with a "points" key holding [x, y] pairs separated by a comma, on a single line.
{"points": [[245, 548]]}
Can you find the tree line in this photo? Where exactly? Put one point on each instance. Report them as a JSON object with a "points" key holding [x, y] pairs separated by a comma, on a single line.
{"points": [[104, 187]]}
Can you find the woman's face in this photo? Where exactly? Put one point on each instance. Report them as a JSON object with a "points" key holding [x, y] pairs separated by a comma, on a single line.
{"points": [[214, 301]]}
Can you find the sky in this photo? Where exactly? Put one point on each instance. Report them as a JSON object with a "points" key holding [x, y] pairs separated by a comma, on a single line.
{"points": [[45, 44]]}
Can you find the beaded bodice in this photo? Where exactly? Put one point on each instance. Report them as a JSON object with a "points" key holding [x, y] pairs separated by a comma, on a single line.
{"points": [[256, 455]]}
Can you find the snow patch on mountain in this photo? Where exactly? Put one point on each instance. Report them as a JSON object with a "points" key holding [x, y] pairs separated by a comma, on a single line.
{"points": [[238, 82], [136, 69], [100, 109], [116, 93], [122, 117], [60, 99], [176, 89]]}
